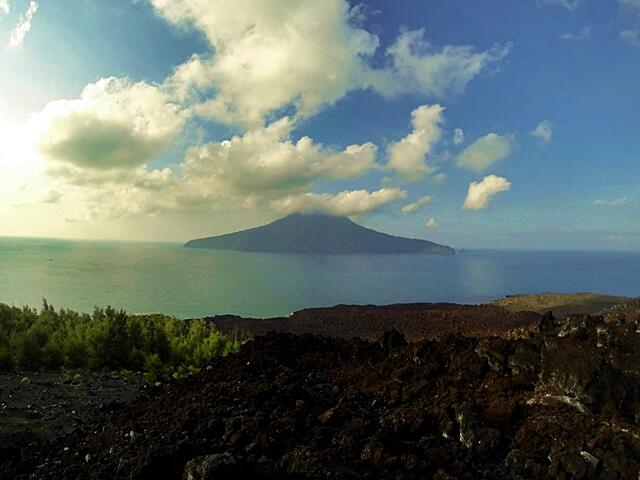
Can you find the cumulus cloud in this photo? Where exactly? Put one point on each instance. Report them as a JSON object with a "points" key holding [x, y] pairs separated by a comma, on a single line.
{"points": [[616, 202], [270, 55], [418, 67], [480, 193], [408, 155], [346, 203], [5, 7], [263, 169], [543, 132], [266, 159], [303, 56], [458, 136], [115, 124], [19, 33], [266, 58], [581, 36], [485, 152], [415, 206], [432, 223]]}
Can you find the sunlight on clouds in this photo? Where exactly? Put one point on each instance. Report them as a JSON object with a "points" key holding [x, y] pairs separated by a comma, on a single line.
{"points": [[114, 124], [267, 160], [346, 203], [21, 169], [19, 33], [432, 223], [271, 55], [408, 155], [415, 206], [90, 156], [480, 193], [248, 171], [17, 157], [485, 152]]}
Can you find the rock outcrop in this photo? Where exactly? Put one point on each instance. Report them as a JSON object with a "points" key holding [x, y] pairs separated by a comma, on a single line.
{"points": [[559, 403]]}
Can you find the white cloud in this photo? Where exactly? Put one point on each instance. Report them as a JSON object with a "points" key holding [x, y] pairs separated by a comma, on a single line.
{"points": [[458, 136], [361, 13], [408, 155], [114, 124], [581, 36], [616, 202], [346, 203], [93, 153], [480, 193], [19, 33], [303, 56], [270, 55], [5, 7], [485, 152], [570, 5], [631, 36], [432, 223], [543, 132], [266, 159], [632, 9], [418, 67], [263, 169], [415, 206]]}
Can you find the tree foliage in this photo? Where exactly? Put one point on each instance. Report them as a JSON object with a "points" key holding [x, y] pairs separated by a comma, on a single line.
{"points": [[110, 339]]}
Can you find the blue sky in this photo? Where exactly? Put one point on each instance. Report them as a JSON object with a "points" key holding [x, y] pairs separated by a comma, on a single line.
{"points": [[499, 69]]}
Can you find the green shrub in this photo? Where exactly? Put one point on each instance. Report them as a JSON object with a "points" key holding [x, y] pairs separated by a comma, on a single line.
{"points": [[107, 339]]}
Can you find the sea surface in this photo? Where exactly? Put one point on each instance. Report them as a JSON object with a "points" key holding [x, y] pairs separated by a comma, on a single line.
{"points": [[188, 283]]}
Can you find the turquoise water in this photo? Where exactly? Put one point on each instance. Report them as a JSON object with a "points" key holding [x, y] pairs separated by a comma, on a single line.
{"points": [[166, 278]]}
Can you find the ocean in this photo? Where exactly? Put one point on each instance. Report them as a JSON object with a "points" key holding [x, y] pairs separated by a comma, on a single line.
{"points": [[188, 283]]}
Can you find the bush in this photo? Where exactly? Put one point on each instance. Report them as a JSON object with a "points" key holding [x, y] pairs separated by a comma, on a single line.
{"points": [[109, 339]]}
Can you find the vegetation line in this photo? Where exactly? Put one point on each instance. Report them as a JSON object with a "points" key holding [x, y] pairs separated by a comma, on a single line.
{"points": [[109, 339]]}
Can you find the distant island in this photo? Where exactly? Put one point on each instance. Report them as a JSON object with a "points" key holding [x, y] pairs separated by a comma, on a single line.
{"points": [[318, 234]]}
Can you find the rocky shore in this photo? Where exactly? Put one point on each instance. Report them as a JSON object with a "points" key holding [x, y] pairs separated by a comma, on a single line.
{"points": [[559, 400], [416, 321]]}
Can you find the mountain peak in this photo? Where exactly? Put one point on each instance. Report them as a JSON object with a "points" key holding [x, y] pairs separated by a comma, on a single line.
{"points": [[317, 233]]}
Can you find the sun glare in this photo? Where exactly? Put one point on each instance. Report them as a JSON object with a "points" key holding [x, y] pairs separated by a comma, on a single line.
{"points": [[17, 155]]}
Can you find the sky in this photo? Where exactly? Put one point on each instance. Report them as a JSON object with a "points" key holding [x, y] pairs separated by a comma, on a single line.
{"points": [[494, 124]]}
